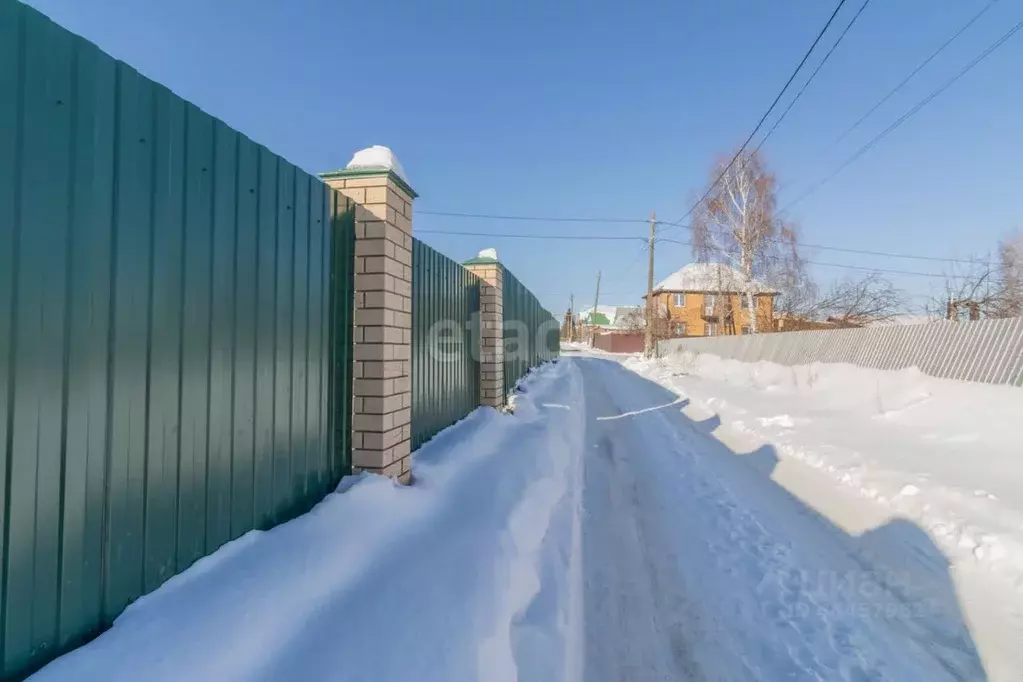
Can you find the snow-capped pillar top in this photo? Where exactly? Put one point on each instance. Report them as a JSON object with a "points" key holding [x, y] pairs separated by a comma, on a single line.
{"points": [[485, 256], [373, 161], [377, 157]]}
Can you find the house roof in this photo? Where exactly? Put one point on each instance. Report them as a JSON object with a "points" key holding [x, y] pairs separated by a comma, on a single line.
{"points": [[616, 315], [710, 277]]}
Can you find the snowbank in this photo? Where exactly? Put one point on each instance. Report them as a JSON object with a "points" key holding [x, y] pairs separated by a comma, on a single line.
{"points": [[438, 581], [943, 453]]}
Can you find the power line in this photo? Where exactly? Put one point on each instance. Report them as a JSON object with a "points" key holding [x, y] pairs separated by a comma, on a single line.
{"points": [[505, 235], [902, 119], [860, 252], [917, 70], [643, 245], [766, 113], [812, 75], [487, 216], [839, 265]]}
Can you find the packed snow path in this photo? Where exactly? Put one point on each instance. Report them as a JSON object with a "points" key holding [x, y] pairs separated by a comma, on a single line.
{"points": [[698, 566], [600, 533]]}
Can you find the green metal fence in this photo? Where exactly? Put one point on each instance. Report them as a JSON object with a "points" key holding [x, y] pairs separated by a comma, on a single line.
{"points": [[445, 342], [338, 399], [166, 335], [530, 331]]}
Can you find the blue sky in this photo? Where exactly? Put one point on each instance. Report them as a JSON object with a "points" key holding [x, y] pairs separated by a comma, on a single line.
{"points": [[572, 108]]}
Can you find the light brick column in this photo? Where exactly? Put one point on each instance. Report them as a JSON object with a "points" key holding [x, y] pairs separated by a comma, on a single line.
{"points": [[491, 272], [382, 390]]}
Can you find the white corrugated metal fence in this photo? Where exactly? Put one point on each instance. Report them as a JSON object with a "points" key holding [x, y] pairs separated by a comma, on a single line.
{"points": [[988, 351]]}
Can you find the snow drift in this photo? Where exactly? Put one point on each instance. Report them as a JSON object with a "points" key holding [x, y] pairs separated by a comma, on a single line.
{"points": [[944, 453], [380, 581]]}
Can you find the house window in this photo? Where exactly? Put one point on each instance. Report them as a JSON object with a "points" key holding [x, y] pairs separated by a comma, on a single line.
{"points": [[709, 303], [680, 329], [745, 302], [745, 331], [680, 300], [710, 329]]}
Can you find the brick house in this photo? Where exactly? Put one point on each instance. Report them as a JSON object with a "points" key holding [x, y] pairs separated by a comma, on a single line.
{"points": [[695, 300]]}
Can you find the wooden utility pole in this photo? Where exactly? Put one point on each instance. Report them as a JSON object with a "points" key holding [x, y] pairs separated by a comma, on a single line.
{"points": [[571, 317], [648, 342], [596, 299]]}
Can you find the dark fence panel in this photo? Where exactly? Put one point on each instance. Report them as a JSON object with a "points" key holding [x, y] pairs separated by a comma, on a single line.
{"points": [[168, 310], [445, 342], [336, 261], [530, 331]]}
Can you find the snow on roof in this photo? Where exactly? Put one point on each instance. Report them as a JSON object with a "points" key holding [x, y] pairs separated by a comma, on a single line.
{"points": [[377, 157], [710, 277], [616, 315]]}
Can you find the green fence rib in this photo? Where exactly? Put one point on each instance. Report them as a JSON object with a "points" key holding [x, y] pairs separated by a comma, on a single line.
{"points": [[527, 331], [171, 295], [444, 353]]}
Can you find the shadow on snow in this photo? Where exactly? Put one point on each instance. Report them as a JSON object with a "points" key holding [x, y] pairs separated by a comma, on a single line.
{"points": [[907, 580]]}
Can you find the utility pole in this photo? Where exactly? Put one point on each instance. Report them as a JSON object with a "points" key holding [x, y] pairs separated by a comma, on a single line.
{"points": [[596, 299], [648, 342], [571, 317]]}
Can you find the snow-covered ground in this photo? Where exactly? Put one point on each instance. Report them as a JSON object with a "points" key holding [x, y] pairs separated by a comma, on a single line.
{"points": [[862, 446], [379, 582], [947, 454], [669, 523]]}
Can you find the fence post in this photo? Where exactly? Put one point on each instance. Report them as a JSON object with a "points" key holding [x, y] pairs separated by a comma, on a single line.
{"points": [[382, 389], [491, 273]]}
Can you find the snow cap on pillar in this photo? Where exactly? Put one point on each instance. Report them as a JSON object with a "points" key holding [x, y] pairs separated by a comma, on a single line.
{"points": [[373, 161], [485, 256], [378, 158]]}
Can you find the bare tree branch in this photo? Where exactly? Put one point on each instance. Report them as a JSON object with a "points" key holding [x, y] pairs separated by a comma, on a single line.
{"points": [[736, 224], [855, 302], [972, 287], [1009, 288]]}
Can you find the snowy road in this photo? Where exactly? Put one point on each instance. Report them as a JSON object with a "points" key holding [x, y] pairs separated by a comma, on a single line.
{"points": [[607, 531], [697, 566]]}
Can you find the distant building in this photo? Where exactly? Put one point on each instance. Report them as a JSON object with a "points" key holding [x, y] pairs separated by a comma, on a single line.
{"points": [[612, 318], [708, 299]]}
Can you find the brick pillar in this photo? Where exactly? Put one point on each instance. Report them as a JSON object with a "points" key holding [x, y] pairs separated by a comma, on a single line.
{"points": [[491, 272], [382, 391]]}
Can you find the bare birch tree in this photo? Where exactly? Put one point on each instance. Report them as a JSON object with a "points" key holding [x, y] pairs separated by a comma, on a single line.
{"points": [[737, 223]]}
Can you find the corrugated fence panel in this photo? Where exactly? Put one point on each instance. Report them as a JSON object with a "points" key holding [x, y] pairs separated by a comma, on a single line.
{"points": [[445, 342], [335, 290], [988, 351], [530, 331], [175, 315]]}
